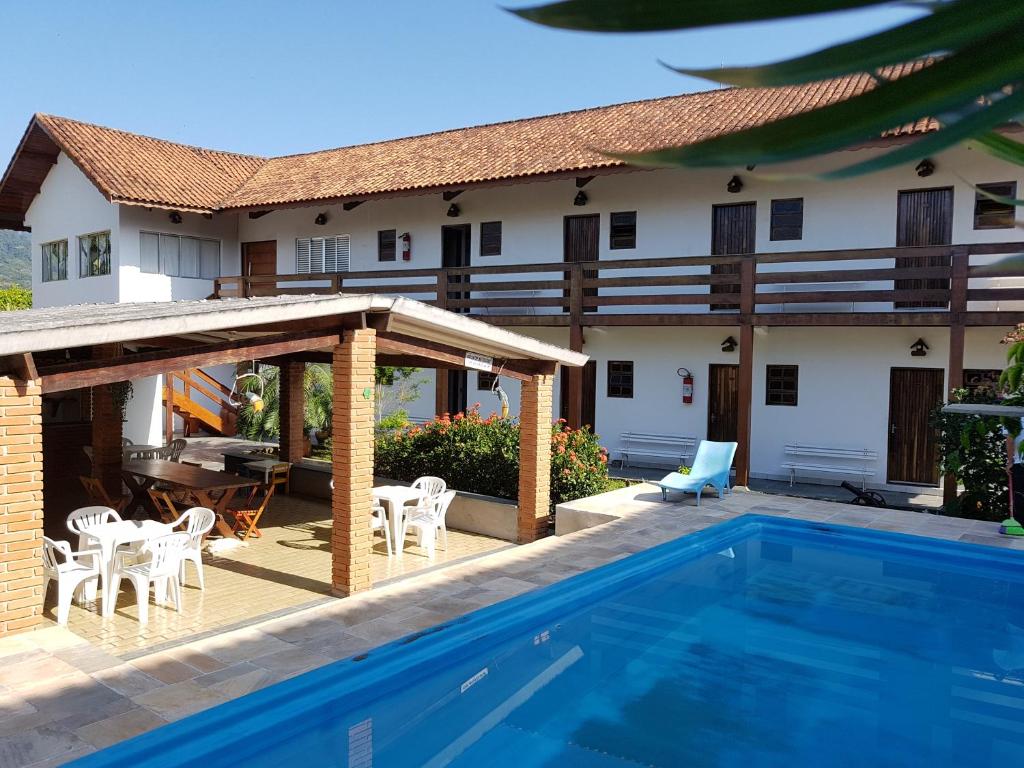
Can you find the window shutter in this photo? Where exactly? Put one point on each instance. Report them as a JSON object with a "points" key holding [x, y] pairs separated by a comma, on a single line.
{"points": [[210, 257], [342, 253], [302, 256], [189, 257], [149, 253], [490, 238], [169, 255], [330, 254]]}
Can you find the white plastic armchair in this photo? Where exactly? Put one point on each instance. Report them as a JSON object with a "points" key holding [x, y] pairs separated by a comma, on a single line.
{"points": [[162, 569], [81, 520], [71, 571], [379, 522], [196, 522], [431, 486], [426, 519]]}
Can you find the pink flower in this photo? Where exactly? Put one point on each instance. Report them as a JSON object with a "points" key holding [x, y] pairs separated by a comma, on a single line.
{"points": [[566, 472]]}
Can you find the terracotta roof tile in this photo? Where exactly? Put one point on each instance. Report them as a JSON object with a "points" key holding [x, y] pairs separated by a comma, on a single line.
{"points": [[127, 167], [137, 169], [564, 142]]}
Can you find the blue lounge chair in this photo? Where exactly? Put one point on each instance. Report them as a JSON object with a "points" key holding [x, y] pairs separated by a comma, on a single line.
{"points": [[711, 466]]}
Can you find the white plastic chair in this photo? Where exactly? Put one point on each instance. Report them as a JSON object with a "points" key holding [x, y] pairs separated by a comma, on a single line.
{"points": [[85, 518], [379, 521], [431, 486], [426, 519], [197, 522], [162, 569], [71, 575]]}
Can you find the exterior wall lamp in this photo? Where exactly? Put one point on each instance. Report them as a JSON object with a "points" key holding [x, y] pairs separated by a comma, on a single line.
{"points": [[729, 345], [175, 217], [734, 185], [581, 198], [453, 211], [919, 348], [925, 168], [320, 219]]}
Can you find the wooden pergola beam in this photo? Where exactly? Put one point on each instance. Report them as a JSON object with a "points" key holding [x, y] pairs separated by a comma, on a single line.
{"points": [[399, 344], [90, 373]]}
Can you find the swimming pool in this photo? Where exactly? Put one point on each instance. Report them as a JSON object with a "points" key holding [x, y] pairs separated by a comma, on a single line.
{"points": [[758, 642]]}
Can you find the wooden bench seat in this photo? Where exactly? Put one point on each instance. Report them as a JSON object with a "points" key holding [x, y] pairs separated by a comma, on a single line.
{"points": [[669, 448]]}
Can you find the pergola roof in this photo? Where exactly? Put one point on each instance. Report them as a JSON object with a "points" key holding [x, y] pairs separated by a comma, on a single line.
{"points": [[251, 327]]}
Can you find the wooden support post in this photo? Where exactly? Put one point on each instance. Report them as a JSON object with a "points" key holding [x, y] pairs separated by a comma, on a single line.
{"points": [[441, 375], [292, 411], [574, 375], [352, 461], [169, 407], [960, 262], [746, 371], [534, 458]]}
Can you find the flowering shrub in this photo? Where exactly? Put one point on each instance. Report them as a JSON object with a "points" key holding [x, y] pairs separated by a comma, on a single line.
{"points": [[481, 455]]}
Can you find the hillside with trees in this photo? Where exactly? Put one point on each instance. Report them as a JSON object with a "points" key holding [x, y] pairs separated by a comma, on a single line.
{"points": [[15, 259]]}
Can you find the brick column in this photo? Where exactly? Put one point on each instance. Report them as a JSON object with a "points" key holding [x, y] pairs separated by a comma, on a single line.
{"points": [[534, 457], [21, 505], [292, 407], [352, 461]]}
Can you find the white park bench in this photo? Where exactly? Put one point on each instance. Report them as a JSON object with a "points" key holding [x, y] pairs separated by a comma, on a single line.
{"points": [[806, 461], [669, 448]]}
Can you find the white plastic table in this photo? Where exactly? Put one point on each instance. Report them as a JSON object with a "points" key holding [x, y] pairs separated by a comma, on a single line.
{"points": [[395, 498], [108, 537]]}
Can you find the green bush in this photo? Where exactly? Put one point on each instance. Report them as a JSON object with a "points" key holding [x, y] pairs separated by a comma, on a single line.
{"points": [[973, 449], [14, 297], [481, 455], [394, 420]]}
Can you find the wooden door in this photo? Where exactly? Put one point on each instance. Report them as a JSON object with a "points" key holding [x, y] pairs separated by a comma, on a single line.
{"points": [[581, 236], [723, 402], [458, 390], [913, 449], [589, 399], [455, 240], [260, 258], [924, 217], [733, 230]]}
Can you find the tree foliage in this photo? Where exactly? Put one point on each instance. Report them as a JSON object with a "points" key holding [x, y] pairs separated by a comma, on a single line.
{"points": [[970, 81], [14, 297]]}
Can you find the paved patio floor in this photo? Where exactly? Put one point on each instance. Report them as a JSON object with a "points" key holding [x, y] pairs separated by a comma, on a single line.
{"points": [[62, 696]]}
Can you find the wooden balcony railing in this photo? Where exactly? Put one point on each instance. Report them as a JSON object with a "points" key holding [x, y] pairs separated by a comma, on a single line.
{"points": [[863, 286]]}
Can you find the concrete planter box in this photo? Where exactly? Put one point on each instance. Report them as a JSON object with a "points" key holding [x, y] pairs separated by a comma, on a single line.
{"points": [[470, 512], [580, 514]]}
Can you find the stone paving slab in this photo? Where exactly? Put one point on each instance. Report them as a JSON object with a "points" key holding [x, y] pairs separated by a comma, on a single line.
{"points": [[62, 697]]}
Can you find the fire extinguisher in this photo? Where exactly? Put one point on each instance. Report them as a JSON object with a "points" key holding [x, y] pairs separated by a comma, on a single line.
{"points": [[687, 385], [406, 246]]}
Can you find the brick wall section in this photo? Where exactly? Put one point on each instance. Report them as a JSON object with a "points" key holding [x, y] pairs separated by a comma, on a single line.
{"points": [[21, 505], [292, 412], [534, 458], [352, 445]]}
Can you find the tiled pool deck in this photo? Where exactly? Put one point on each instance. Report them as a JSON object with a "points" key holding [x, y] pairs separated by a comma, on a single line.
{"points": [[62, 696]]}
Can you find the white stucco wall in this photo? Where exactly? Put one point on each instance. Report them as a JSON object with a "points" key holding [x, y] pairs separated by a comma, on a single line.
{"points": [[67, 206]]}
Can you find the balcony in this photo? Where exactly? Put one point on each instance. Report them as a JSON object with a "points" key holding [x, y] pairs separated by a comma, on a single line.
{"points": [[924, 286]]}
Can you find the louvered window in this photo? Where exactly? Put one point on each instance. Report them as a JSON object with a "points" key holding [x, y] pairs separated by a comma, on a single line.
{"points": [[386, 244], [322, 254], [787, 219], [622, 232], [179, 255], [995, 214], [490, 238]]}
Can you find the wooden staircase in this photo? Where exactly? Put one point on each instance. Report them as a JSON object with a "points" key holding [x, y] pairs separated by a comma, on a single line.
{"points": [[182, 387]]}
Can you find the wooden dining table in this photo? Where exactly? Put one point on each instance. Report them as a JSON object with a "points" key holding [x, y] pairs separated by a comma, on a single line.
{"points": [[201, 483]]}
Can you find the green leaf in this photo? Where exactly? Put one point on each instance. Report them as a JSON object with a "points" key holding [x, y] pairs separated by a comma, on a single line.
{"points": [[949, 28], [657, 15], [958, 129], [1001, 147], [948, 85]]}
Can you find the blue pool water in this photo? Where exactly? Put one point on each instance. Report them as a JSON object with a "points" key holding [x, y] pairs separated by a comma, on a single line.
{"points": [[757, 643]]}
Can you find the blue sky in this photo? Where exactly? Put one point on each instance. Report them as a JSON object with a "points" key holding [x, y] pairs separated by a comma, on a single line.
{"points": [[275, 78]]}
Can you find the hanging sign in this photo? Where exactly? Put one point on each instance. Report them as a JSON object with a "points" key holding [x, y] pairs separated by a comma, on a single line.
{"points": [[479, 362]]}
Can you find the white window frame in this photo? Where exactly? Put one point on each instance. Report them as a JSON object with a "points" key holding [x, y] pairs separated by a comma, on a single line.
{"points": [[45, 275], [160, 270], [110, 254], [320, 255]]}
